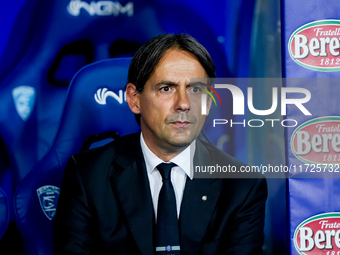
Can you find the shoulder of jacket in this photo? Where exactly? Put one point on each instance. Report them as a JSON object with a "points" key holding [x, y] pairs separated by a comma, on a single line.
{"points": [[105, 152]]}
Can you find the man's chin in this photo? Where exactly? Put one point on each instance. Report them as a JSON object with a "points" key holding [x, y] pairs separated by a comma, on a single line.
{"points": [[181, 138], [180, 141]]}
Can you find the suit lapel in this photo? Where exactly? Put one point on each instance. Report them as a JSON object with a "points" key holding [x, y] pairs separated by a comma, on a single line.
{"points": [[199, 201], [131, 184]]}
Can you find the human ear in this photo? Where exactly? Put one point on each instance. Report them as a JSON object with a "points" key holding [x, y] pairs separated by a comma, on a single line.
{"points": [[132, 98]]}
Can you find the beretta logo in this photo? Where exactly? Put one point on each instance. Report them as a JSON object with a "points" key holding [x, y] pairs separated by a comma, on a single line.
{"points": [[317, 141], [319, 234], [316, 45]]}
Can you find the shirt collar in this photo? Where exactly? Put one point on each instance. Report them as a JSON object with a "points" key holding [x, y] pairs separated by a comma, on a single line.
{"points": [[181, 160]]}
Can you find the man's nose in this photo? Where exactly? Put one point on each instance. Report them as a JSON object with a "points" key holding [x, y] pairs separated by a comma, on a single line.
{"points": [[182, 102]]}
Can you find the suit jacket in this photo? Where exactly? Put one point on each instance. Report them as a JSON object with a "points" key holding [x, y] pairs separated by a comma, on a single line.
{"points": [[105, 206]]}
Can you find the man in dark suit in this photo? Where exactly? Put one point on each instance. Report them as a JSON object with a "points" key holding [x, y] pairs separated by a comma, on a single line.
{"points": [[138, 194]]}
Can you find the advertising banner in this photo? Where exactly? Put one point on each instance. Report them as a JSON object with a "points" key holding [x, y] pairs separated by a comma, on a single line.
{"points": [[311, 51]]}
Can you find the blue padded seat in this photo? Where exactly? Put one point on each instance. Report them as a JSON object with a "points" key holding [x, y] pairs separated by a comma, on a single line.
{"points": [[95, 104]]}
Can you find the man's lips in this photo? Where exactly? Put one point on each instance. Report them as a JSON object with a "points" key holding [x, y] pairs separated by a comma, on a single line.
{"points": [[180, 123]]}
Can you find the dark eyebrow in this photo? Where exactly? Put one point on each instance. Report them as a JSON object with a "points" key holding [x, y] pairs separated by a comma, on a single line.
{"points": [[168, 83], [197, 83], [171, 83]]}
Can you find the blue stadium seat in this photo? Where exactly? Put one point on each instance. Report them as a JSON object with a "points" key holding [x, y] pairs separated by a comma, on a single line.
{"points": [[95, 104]]}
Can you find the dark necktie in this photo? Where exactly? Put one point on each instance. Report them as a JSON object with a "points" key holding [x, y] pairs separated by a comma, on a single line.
{"points": [[167, 239]]}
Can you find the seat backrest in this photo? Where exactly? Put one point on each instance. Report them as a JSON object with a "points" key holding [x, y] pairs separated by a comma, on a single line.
{"points": [[95, 104]]}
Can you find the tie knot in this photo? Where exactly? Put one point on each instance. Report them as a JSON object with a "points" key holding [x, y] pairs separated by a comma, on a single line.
{"points": [[165, 169]]}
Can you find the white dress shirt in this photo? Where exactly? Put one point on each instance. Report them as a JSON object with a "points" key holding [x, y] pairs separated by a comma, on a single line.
{"points": [[178, 174]]}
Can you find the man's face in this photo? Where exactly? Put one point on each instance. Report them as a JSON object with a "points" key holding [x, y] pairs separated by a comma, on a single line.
{"points": [[168, 121]]}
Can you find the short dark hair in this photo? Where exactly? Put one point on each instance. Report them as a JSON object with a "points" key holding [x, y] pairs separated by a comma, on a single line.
{"points": [[149, 54]]}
